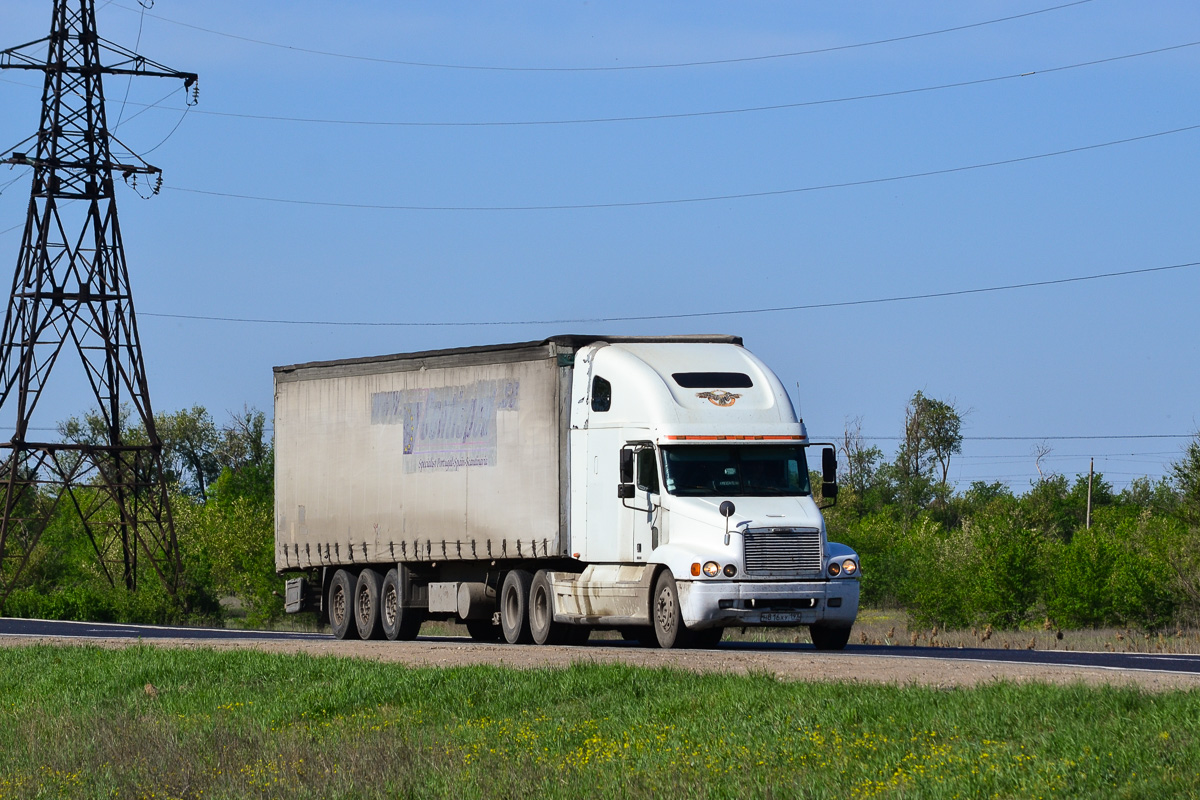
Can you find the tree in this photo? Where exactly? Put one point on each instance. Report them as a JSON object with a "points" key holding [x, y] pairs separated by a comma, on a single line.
{"points": [[865, 474], [1185, 474], [190, 441], [932, 435]]}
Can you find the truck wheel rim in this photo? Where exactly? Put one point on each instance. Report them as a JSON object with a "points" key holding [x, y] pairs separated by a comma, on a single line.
{"points": [[666, 610], [364, 606], [339, 606], [390, 607]]}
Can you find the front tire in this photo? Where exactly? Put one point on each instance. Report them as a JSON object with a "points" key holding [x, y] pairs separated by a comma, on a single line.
{"points": [[829, 637], [514, 607], [667, 613], [399, 622], [341, 605]]}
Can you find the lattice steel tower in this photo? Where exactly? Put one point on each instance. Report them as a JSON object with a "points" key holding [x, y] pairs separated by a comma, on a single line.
{"points": [[71, 295]]}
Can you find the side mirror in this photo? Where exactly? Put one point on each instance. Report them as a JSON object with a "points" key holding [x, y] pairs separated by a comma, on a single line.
{"points": [[625, 491], [726, 508], [626, 466], [829, 489]]}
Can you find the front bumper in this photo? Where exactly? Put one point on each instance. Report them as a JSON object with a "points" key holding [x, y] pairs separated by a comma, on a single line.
{"points": [[716, 603]]}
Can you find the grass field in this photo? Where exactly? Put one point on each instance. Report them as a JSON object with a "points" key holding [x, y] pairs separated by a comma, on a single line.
{"points": [[158, 723]]}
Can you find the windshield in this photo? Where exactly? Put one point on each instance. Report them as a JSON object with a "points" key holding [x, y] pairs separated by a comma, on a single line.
{"points": [[735, 470]]}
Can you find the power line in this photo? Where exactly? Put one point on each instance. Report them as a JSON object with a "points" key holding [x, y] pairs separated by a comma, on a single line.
{"points": [[668, 116], [688, 114], [1038, 438], [690, 200], [689, 315], [1000, 458], [706, 63]]}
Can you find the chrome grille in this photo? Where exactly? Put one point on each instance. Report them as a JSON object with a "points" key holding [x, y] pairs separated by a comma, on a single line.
{"points": [[783, 550]]}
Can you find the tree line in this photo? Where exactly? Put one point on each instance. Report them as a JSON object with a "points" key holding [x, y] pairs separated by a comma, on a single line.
{"points": [[986, 555], [952, 557]]}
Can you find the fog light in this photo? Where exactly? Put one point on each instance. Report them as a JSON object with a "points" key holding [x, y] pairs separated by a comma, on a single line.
{"points": [[730, 570], [712, 569], [696, 569], [834, 569], [849, 567]]}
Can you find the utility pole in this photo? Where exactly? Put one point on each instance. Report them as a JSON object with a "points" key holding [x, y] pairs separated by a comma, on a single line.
{"points": [[1091, 472], [71, 295]]}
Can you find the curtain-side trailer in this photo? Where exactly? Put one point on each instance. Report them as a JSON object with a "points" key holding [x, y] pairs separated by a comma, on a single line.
{"points": [[537, 491]]}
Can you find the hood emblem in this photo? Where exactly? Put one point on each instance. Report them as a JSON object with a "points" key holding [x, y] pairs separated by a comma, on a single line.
{"points": [[719, 398]]}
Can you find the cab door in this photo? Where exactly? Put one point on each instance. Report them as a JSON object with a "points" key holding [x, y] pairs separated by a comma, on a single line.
{"points": [[640, 500]]}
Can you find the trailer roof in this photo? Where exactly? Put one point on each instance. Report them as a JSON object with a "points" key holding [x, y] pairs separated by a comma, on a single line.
{"points": [[571, 341]]}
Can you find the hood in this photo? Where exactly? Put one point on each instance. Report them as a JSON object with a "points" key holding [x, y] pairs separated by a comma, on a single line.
{"points": [[758, 512]]}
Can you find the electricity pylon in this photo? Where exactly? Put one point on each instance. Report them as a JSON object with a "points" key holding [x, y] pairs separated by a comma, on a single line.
{"points": [[71, 294]]}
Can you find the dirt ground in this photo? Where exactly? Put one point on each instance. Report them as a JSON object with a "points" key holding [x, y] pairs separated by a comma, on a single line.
{"points": [[786, 665]]}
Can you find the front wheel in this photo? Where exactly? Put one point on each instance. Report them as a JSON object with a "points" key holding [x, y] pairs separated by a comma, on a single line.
{"points": [[668, 615], [829, 637]]}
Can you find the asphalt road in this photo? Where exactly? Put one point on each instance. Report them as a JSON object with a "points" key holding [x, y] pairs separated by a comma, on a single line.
{"points": [[1141, 662], [37, 628]]}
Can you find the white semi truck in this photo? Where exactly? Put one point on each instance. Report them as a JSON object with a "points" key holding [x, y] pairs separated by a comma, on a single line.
{"points": [[538, 491]]}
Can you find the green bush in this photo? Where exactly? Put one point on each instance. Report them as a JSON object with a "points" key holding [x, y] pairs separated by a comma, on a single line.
{"points": [[986, 572]]}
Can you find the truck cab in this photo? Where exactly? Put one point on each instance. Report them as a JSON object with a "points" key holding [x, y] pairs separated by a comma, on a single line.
{"points": [[690, 473]]}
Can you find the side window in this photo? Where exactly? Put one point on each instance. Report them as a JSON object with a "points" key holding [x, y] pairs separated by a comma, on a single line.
{"points": [[601, 394], [647, 470]]}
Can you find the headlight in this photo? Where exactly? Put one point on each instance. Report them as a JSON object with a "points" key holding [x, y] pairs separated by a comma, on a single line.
{"points": [[834, 569], [730, 570], [849, 567], [712, 569]]}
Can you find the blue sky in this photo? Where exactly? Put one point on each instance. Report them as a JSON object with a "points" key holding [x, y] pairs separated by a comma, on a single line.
{"points": [[1108, 357]]}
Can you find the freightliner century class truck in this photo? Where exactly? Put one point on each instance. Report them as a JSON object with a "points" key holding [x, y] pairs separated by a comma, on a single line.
{"points": [[538, 491]]}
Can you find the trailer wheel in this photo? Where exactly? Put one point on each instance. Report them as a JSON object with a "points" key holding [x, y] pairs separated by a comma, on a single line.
{"points": [[542, 626], [667, 614], [482, 630], [399, 622], [341, 605], [514, 607], [829, 637], [366, 604]]}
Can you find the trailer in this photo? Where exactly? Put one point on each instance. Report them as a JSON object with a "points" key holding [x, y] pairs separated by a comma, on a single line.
{"points": [[658, 486]]}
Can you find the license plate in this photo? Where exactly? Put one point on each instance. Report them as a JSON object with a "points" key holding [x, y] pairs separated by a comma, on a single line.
{"points": [[780, 616]]}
